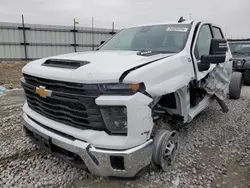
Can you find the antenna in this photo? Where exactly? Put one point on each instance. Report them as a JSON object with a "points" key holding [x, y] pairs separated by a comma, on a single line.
{"points": [[181, 20]]}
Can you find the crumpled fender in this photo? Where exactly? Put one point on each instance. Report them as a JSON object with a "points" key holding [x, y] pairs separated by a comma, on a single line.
{"points": [[164, 76], [217, 82]]}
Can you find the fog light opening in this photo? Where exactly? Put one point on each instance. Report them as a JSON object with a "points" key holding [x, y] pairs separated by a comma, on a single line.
{"points": [[117, 162]]}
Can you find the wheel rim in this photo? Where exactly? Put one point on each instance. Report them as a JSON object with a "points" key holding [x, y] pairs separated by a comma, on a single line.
{"points": [[169, 150], [158, 140]]}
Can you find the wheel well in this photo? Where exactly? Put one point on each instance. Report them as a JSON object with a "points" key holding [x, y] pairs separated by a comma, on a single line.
{"points": [[168, 101], [167, 112]]}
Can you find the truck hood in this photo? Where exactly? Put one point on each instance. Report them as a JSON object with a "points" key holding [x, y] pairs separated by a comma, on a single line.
{"points": [[104, 66], [241, 56]]}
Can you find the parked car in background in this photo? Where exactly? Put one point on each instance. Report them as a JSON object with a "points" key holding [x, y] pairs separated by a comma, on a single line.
{"points": [[240, 49]]}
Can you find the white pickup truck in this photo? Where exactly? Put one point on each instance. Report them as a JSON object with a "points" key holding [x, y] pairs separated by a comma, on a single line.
{"points": [[99, 109]]}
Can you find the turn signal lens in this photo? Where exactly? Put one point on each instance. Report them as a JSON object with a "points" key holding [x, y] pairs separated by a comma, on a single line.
{"points": [[121, 88], [134, 87]]}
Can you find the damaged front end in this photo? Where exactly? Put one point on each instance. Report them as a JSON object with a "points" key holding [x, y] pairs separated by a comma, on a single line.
{"points": [[106, 134]]}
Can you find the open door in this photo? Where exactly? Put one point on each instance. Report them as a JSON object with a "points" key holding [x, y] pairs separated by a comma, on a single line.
{"points": [[202, 45]]}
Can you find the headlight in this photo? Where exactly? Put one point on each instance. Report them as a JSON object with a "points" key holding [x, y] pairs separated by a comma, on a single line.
{"points": [[121, 88], [238, 63], [115, 119]]}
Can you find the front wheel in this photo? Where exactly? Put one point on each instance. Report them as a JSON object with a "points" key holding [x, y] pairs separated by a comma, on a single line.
{"points": [[235, 85], [165, 148]]}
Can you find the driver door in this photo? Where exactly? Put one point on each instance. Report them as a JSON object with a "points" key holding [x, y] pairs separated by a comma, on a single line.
{"points": [[202, 47]]}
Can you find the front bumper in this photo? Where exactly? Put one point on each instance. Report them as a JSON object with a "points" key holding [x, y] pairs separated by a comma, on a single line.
{"points": [[245, 67], [139, 123], [97, 161]]}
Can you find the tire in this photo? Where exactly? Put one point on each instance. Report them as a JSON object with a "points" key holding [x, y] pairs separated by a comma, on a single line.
{"points": [[173, 139], [165, 148], [246, 78], [158, 139], [235, 85]]}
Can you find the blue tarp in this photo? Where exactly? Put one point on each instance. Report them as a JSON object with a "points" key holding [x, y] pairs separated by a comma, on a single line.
{"points": [[2, 90]]}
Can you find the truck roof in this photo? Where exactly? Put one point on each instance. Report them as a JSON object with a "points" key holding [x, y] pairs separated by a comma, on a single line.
{"points": [[162, 23], [175, 22]]}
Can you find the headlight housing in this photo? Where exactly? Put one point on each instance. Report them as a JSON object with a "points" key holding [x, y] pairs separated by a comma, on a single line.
{"points": [[115, 119], [238, 63], [116, 88]]}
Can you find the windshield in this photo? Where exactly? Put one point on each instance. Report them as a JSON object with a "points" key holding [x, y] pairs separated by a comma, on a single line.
{"points": [[243, 48], [159, 38]]}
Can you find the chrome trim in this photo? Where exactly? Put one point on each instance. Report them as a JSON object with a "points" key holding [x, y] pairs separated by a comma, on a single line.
{"points": [[133, 162]]}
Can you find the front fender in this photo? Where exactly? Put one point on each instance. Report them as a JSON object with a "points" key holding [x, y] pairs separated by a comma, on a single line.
{"points": [[164, 76]]}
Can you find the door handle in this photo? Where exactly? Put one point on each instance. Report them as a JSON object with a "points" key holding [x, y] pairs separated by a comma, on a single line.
{"points": [[231, 59]]}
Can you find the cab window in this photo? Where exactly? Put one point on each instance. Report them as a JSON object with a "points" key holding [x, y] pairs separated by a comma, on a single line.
{"points": [[202, 46]]}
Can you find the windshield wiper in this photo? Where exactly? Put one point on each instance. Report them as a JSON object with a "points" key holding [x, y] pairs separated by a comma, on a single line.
{"points": [[151, 53], [164, 52]]}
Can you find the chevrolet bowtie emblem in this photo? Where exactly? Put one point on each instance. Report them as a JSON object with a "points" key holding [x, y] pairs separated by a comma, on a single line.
{"points": [[43, 92]]}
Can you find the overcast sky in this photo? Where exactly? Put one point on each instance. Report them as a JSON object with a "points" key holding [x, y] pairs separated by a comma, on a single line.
{"points": [[232, 15]]}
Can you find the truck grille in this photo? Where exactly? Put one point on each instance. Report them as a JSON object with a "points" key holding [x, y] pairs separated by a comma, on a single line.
{"points": [[62, 86], [70, 103]]}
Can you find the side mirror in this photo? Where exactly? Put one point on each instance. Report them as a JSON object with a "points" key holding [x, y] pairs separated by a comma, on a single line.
{"points": [[213, 59], [218, 47], [218, 50], [102, 42], [203, 66]]}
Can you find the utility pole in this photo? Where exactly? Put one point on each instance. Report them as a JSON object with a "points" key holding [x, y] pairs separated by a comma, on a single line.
{"points": [[93, 46], [113, 27], [190, 16], [74, 34], [24, 39]]}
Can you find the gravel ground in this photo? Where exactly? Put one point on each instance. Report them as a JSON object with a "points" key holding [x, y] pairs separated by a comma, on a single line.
{"points": [[215, 150], [10, 73]]}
